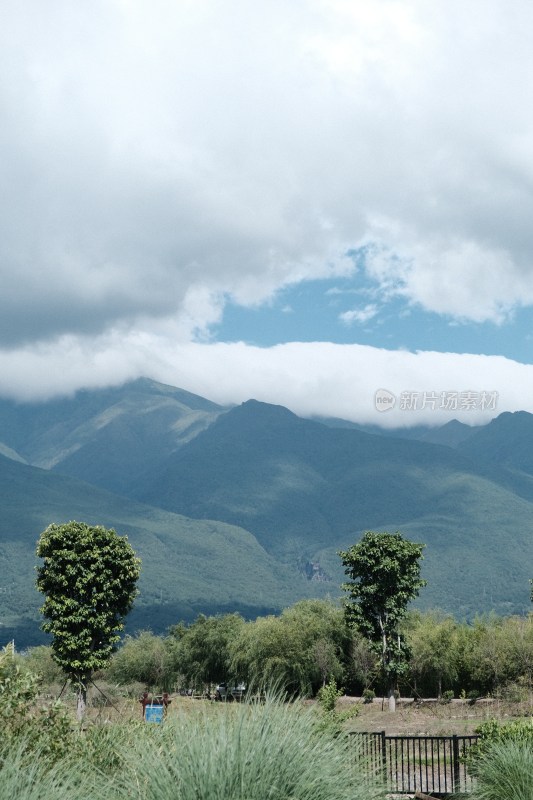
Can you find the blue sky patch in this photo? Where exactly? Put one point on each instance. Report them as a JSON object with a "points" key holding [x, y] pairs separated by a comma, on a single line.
{"points": [[351, 311]]}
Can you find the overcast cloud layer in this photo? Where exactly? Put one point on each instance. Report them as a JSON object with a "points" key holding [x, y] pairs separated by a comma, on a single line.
{"points": [[158, 158]]}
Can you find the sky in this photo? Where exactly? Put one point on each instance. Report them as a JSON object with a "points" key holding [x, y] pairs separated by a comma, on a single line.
{"points": [[326, 204]]}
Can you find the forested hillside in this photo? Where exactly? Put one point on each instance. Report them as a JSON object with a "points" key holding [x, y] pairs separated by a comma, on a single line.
{"points": [[246, 508]]}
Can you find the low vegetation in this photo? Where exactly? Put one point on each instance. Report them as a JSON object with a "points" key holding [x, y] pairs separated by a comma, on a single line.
{"points": [[503, 761], [272, 745], [251, 751], [309, 644], [506, 771], [243, 751]]}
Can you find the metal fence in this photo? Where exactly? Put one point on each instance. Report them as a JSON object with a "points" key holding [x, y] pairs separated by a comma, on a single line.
{"points": [[429, 764]]}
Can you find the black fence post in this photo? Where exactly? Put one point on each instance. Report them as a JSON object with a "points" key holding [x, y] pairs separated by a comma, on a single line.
{"points": [[456, 786], [384, 755]]}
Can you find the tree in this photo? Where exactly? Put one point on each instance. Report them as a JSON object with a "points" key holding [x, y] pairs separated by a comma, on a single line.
{"points": [[385, 576], [433, 640], [203, 648], [364, 661], [144, 658], [307, 644], [89, 577]]}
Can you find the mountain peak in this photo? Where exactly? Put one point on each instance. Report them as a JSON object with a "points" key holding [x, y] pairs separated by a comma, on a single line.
{"points": [[265, 409]]}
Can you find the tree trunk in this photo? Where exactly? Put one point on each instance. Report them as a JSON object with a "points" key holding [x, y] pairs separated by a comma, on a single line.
{"points": [[392, 699], [81, 700]]}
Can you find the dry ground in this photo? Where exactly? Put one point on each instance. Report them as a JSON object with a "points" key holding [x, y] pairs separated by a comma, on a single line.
{"points": [[410, 718], [430, 716]]}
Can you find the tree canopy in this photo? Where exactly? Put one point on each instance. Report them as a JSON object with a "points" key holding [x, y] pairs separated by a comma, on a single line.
{"points": [[297, 651], [204, 648], [89, 578], [385, 576]]}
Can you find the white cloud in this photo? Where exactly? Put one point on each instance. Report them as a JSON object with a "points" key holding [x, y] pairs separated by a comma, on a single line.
{"points": [[457, 277], [316, 378], [158, 155], [360, 315]]}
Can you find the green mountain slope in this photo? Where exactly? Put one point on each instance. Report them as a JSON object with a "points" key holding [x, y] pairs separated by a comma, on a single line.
{"points": [[286, 492], [450, 434], [507, 441], [306, 490], [504, 449], [188, 566], [108, 437]]}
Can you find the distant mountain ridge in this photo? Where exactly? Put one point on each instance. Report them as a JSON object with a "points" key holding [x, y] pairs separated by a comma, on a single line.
{"points": [[451, 434], [246, 507], [108, 437], [303, 488]]}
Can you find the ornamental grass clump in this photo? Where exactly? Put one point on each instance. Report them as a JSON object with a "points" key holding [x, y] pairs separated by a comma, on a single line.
{"points": [[256, 751], [27, 775], [505, 772]]}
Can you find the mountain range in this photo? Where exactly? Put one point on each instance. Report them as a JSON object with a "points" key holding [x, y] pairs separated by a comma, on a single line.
{"points": [[245, 508]]}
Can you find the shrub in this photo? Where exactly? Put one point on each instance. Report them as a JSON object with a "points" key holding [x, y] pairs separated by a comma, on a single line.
{"points": [[23, 723], [104, 695], [39, 661], [472, 696], [491, 732], [447, 696], [514, 692], [328, 695], [368, 695], [505, 771]]}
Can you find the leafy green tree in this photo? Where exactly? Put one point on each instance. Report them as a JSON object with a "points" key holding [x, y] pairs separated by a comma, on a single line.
{"points": [[432, 639], [143, 658], [364, 661], [203, 649], [385, 576], [498, 652], [89, 578], [326, 658], [519, 631], [268, 652], [307, 644]]}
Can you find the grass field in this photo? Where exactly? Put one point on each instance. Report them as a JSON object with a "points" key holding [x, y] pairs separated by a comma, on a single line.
{"points": [[429, 717], [270, 750]]}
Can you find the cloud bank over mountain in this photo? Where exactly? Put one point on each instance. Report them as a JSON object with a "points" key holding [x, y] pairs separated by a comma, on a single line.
{"points": [[310, 378], [159, 159]]}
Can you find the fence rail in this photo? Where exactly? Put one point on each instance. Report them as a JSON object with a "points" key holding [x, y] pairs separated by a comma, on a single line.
{"points": [[435, 764]]}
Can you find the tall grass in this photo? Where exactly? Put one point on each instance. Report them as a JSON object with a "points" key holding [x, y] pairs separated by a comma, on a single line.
{"points": [[25, 776], [250, 751], [270, 751], [505, 772]]}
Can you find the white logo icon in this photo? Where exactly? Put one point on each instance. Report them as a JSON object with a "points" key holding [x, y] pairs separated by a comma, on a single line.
{"points": [[384, 400]]}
